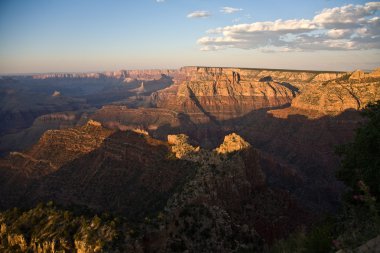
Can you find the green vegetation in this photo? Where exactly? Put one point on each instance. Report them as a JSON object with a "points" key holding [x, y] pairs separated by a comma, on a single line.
{"points": [[361, 159], [49, 228], [318, 240], [358, 221], [360, 171]]}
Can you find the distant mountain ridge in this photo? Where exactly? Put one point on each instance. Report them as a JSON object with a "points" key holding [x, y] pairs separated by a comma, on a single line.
{"points": [[120, 74]]}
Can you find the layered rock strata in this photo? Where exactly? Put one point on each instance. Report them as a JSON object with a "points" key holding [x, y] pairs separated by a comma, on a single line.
{"points": [[216, 94]]}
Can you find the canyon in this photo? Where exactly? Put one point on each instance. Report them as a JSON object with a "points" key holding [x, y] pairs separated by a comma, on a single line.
{"points": [[196, 145]]}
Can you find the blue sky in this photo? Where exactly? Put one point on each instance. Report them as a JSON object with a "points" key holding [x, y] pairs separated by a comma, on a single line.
{"points": [[97, 35]]}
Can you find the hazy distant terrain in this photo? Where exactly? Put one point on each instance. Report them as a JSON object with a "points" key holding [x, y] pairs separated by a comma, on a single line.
{"points": [[25, 99]]}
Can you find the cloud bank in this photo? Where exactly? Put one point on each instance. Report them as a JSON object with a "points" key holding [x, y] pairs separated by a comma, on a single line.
{"points": [[350, 27]]}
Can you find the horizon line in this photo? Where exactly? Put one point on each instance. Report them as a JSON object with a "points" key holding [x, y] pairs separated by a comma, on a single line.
{"points": [[185, 66]]}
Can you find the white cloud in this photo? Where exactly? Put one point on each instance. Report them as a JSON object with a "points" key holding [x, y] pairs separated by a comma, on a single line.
{"points": [[342, 28], [346, 15], [278, 25], [229, 10], [160, 1], [199, 14], [338, 33]]}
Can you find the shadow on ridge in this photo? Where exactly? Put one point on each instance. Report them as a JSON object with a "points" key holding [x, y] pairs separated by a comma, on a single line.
{"points": [[298, 153], [129, 174]]}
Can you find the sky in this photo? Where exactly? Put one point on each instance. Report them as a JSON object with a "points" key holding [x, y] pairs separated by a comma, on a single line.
{"points": [[100, 35]]}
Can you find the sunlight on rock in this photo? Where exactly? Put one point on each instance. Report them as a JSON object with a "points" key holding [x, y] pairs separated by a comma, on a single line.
{"points": [[232, 143]]}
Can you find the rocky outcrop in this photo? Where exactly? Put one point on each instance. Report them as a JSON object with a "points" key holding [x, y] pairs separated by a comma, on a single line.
{"points": [[182, 149], [56, 94], [324, 77], [122, 172], [361, 76], [335, 97], [54, 149], [63, 146], [231, 179], [140, 89], [357, 75], [24, 139], [232, 143]]}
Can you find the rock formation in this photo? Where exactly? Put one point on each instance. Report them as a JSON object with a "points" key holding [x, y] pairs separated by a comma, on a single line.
{"points": [[223, 93], [26, 138], [236, 184], [140, 89], [56, 94], [353, 92], [219, 94], [123, 172], [232, 143], [54, 149], [216, 94], [182, 149]]}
